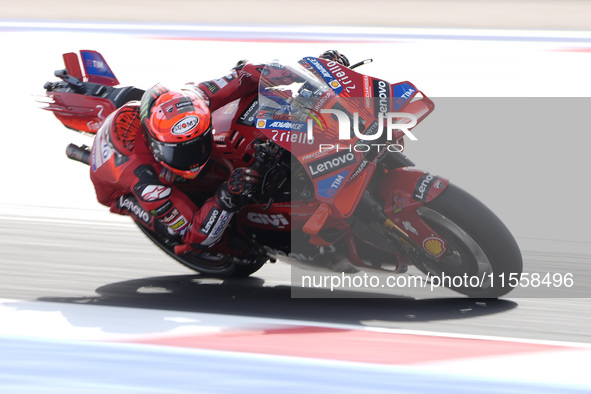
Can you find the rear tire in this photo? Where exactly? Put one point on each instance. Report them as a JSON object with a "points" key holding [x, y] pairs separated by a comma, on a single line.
{"points": [[479, 244], [208, 264]]}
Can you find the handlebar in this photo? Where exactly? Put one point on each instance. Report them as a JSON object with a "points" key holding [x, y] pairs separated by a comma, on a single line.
{"points": [[263, 151], [259, 159]]}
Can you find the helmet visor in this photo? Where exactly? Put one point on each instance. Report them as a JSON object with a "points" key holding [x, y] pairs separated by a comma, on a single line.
{"points": [[187, 155]]}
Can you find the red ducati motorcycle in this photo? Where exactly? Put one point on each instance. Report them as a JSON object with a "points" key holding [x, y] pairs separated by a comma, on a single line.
{"points": [[337, 192]]}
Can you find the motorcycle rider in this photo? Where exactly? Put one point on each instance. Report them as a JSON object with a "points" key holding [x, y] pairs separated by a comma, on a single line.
{"points": [[145, 150]]}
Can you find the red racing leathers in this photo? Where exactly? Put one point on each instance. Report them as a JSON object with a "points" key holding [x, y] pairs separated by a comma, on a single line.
{"points": [[130, 181]]}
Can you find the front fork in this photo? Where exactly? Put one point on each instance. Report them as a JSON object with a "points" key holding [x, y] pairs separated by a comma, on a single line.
{"points": [[400, 192], [371, 211]]}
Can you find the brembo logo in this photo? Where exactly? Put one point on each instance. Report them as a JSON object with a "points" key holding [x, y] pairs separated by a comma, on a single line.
{"points": [[331, 163], [185, 125]]}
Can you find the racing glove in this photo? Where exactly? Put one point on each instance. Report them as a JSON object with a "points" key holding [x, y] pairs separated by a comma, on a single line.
{"points": [[233, 193], [335, 57], [240, 65]]}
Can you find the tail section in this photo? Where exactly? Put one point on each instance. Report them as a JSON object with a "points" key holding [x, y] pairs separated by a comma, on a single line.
{"points": [[96, 68], [85, 96], [73, 65]]}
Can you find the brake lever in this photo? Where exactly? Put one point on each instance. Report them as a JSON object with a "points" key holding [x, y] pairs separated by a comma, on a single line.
{"points": [[264, 207]]}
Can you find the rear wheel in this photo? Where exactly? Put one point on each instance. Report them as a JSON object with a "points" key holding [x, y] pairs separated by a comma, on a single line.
{"points": [[209, 264], [480, 248]]}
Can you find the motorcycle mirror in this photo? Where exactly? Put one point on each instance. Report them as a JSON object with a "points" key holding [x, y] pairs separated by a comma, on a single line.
{"points": [[361, 63]]}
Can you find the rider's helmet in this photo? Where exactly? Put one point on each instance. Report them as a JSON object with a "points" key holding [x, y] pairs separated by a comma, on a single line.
{"points": [[178, 129]]}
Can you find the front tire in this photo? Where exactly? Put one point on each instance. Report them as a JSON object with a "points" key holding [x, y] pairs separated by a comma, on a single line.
{"points": [[479, 244]]}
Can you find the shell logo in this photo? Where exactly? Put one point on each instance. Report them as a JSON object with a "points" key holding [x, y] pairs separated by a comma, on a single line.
{"points": [[261, 124], [335, 84], [434, 246]]}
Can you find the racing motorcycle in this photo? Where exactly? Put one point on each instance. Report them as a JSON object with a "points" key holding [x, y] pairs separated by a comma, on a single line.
{"points": [[337, 193]]}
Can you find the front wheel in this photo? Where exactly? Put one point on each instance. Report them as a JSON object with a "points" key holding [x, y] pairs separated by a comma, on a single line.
{"points": [[206, 263], [480, 248]]}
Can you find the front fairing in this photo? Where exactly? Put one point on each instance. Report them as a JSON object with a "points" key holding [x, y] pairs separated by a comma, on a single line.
{"points": [[333, 120]]}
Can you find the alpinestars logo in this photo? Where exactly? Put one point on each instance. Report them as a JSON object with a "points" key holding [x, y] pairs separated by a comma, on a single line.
{"points": [[155, 192]]}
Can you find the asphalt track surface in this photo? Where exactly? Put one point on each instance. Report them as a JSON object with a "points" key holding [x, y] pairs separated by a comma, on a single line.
{"points": [[66, 261], [65, 250]]}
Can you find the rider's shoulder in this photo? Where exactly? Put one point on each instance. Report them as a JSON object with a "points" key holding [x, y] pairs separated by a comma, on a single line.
{"points": [[124, 127]]}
